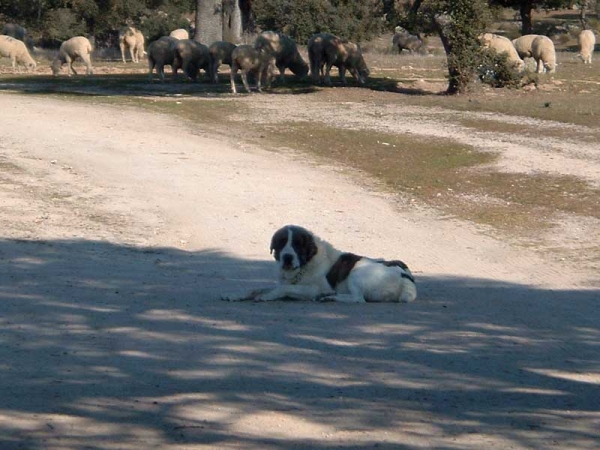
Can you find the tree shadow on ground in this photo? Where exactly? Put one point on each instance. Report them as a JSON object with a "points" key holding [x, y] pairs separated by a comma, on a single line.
{"points": [[106, 346], [137, 85]]}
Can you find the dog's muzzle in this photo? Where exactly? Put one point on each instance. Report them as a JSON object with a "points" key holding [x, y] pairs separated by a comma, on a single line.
{"points": [[287, 261]]}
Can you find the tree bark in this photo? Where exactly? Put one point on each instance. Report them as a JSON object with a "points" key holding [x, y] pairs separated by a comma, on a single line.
{"points": [[526, 17], [209, 21], [218, 20], [232, 21]]}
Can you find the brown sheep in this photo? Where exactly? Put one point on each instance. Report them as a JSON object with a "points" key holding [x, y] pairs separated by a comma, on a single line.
{"points": [[284, 50], [191, 56], [161, 53], [327, 50], [247, 59], [220, 53]]}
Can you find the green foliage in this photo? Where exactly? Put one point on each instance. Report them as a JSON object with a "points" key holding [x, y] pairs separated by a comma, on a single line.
{"points": [[458, 23], [62, 24], [497, 71], [352, 19], [56, 20]]}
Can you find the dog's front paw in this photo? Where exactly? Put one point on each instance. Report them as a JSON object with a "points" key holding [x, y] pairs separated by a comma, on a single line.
{"points": [[250, 297], [325, 298]]}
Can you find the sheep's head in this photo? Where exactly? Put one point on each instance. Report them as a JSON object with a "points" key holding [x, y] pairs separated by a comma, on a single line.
{"points": [[31, 66], [299, 66], [55, 66], [363, 70]]}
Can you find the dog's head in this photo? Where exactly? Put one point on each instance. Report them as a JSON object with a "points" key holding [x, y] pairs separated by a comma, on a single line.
{"points": [[293, 247]]}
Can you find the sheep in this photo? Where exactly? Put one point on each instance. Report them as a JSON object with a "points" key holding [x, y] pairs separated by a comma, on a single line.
{"points": [[502, 45], [404, 40], [542, 50], [132, 38], [17, 52], [247, 59], [587, 41], [18, 32], [161, 53], [327, 50], [70, 50], [220, 53], [523, 45], [284, 50], [191, 56], [180, 33]]}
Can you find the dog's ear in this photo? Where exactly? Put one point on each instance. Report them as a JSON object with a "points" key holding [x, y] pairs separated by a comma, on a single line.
{"points": [[278, 240]]}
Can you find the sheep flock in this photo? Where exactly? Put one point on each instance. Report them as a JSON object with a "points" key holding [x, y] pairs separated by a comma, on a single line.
{"points": [[271, 50]]}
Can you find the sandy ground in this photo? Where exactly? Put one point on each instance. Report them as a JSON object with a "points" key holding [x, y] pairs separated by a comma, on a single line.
{"points": [[120, 232]]}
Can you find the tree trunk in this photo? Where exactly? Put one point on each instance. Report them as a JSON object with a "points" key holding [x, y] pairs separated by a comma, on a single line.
{"points": [[526, 17], [209, 21], [582, 14], [218, 20], [232, 21], [457, 82]]}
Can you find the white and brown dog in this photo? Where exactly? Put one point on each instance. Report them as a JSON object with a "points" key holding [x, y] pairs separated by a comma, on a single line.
{"points": [[312, 269]]}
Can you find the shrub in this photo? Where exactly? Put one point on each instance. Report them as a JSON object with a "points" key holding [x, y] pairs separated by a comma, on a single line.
{"points": [[352, 19], [497, 71]]}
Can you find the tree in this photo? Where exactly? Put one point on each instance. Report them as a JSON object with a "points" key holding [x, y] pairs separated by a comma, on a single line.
{"points": [[351, 19], [458, 24], [526, 7], [218, 20]]}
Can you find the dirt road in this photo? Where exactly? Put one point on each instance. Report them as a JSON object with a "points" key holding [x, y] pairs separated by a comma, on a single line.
{"points": [[120, 229]]}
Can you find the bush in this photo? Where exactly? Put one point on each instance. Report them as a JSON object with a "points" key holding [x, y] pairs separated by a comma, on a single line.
{"points": [[497, 71], [356, 20], [63, 24]]}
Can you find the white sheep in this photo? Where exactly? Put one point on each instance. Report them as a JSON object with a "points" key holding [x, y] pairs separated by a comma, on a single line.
{"points": [[326, 50], [70, 50], [133, 39], [161, 53], [246, 58], [220, 53], [523, 45], [542, 50], [180, 33], [587, 41], [191, 56], [502, 45], [17, 52], [284, 50]]}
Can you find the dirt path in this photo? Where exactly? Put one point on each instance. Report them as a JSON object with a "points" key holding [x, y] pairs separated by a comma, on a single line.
{"points": [[121, 229]]}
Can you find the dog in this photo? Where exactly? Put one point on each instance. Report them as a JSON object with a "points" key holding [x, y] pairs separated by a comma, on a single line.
{"points": [[311, 269]]}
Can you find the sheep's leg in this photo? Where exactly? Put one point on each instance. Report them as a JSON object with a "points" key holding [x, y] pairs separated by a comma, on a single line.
{"points": [[160, 68], [132, 52], [315, 69], [232, 77], [245, 81], [540, 66], [342, 71], [328, 74], [122, 47], [355, 74], [13, 61], [70, 69], [281, 69], [88, 65], [151, 65]]}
